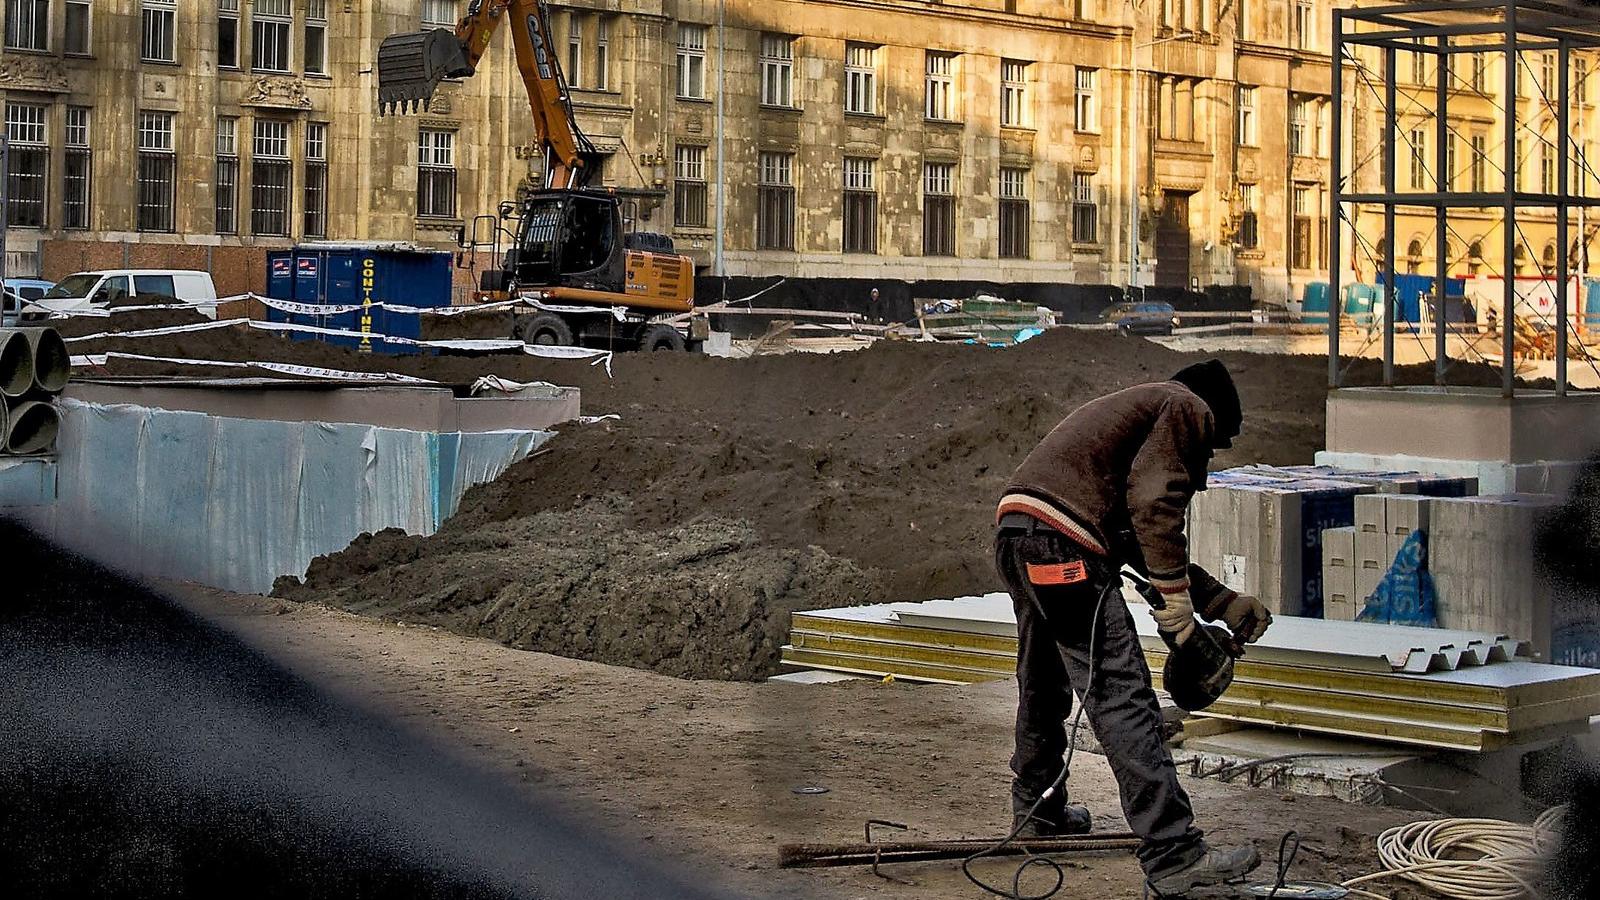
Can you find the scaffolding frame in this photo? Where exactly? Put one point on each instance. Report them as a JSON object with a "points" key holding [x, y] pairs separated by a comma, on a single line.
{"points": [[1508, 28]]}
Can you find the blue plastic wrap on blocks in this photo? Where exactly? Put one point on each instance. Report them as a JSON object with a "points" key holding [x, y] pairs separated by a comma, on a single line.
{"points": [[1406, 595]]}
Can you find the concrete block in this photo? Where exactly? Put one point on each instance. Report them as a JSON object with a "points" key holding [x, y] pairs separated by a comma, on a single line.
{"points": [[1338, 574], [1403, 514], [1482, 562]]}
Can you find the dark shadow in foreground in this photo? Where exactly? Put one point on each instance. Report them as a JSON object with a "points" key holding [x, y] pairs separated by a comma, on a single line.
{"points": [[145, 753], [1567, 551]]}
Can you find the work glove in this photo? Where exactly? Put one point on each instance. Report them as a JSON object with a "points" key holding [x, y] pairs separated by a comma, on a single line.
{"points": [[1176, 617], [1243, 614]]}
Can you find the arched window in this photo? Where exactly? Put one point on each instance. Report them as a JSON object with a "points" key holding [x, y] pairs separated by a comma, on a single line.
{"points": [[1414, 257], [1550, 257], [1474, 257]]}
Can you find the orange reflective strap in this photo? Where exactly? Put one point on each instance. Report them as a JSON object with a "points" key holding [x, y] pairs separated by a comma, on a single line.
{"points": [[1058, 573]]}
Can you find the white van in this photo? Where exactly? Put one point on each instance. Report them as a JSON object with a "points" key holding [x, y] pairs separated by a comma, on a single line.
{"points": [[126, 287]]}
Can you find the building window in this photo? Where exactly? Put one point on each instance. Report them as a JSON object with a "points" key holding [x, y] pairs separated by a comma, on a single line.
{"points": [[1300, 251], [1547, 74], [861, 79], [440, 13], [1479, 73], [227, 221], [1014, 213], [436, 174], [77, 179], [1322, 107], [1085, 10], [270, 179], [574, 71], [269, 31], [1305, 24], [1419, 159], [860, 205], [1247, 23], [602, 53], [1014, 108], [689, 186], [775, 219], [158, 170], [160, 30], [1249, 218], [692, 61], [79, 14], [1474, 257], [316, 37], [938, 209], [28, 24], [28, 164], [940, 86], [1414, 257], [1580, 79], [1451, 167], [1085, 212], [228, 34], [1547, 167], [316, 223], [1299, 127], [777, 70], [1248, 136], [1086, 107], [1480, 162], [1419, 68]]}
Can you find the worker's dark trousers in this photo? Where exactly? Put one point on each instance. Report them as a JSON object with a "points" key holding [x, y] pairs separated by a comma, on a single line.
{"points": [[1053, 660]]}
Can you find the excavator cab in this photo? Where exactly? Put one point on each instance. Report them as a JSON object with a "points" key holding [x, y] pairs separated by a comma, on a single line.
{"points": [[411, 65], [569, 239]]}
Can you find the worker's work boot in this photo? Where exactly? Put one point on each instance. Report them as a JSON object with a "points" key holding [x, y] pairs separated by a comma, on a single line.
{"points": [[1215, 867], [1062, 821]]}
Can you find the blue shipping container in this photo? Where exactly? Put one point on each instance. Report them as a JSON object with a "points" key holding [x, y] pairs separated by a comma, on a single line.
{"points": [[356, 274]]}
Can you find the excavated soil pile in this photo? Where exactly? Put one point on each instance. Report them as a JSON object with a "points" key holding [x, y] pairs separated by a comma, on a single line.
{"points": [[736, 490], [708, 599]]}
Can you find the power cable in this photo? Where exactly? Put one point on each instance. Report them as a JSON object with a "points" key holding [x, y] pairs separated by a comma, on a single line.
{"points": [[1465, 859]]}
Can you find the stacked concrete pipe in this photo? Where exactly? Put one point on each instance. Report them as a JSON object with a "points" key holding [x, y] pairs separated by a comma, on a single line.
{"points": [[34, 368]]}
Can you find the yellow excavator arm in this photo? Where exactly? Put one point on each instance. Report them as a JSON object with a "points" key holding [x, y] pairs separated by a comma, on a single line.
{"points": [[411, 65]]}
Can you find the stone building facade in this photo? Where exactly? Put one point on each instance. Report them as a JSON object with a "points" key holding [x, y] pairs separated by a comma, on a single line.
{"points": [[997, 140]]}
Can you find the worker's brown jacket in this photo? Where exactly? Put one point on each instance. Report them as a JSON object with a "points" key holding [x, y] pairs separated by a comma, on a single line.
{"points": [[1117, 475]]}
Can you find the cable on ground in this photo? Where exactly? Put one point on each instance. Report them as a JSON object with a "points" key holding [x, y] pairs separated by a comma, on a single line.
{"points": [[1465, 859]]}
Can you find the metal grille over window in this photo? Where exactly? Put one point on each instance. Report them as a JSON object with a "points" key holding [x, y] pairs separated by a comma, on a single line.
{"points": [[270, 179], [436, 174], [777, 70], [938, 209], [1085, 211], [1088, 104], [269, 31], [1249, 222], [1014, 214], [316, 37], [158, 166], [77, 180], [692, 61], [689, 186], [160, 21], [861, 79], [28, 169], [79, 14], [316, 219], [1013, 93], [28, 24], [1300, 252], [227, 176], [775, 219], [860, 205], [941, 86]]}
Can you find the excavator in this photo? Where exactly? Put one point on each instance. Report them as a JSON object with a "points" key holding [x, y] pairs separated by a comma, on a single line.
{"points": [[586, 279]]}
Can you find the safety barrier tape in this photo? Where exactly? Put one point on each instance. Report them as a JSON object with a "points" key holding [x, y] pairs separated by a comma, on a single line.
{"points": [[319, 372], [314, 309]]}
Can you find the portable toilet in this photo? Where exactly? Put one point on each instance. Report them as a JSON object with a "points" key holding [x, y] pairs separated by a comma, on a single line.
{"points": [[1314, 303], [352, 279]]}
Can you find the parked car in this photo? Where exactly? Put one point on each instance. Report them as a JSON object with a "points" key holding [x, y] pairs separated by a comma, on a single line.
{"points": [[17, 292], [1141, 317], [128, 287]]}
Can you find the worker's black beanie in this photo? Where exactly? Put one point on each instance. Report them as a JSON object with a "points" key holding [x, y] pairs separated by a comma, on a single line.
{"points": [[1211, 381]]}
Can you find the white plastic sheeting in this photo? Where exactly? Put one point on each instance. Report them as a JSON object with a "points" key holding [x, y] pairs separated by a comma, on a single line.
{"points": [[235, 503]]}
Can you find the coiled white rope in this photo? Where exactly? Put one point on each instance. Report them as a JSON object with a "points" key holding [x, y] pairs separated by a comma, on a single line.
{"points": [[1466, 859]]}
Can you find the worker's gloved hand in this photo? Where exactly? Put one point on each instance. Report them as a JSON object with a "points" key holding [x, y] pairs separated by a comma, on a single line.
{"points": [[1177, 618], [1244, 615]]}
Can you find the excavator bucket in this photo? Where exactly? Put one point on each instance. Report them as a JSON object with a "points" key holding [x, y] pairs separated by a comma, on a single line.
{"points": [[410, 67]]}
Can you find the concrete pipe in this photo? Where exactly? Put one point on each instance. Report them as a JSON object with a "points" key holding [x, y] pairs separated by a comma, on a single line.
{"points": [[32, 428], [52, 364], [16, 363]]}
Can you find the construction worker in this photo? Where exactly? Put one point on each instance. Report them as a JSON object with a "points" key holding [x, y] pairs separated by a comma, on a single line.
{"points": [[1110, 487]]}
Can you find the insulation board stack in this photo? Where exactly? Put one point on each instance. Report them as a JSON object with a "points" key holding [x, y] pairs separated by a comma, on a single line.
{"points": [[1416, 686], [1340, 602], [1483, 566]]}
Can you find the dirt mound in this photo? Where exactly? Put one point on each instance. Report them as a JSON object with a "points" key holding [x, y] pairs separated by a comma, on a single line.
{"points": [[704, 600]]}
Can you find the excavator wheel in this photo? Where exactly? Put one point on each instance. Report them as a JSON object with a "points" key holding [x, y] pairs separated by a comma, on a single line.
{"points": [[660, 337], [546, 330]]}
